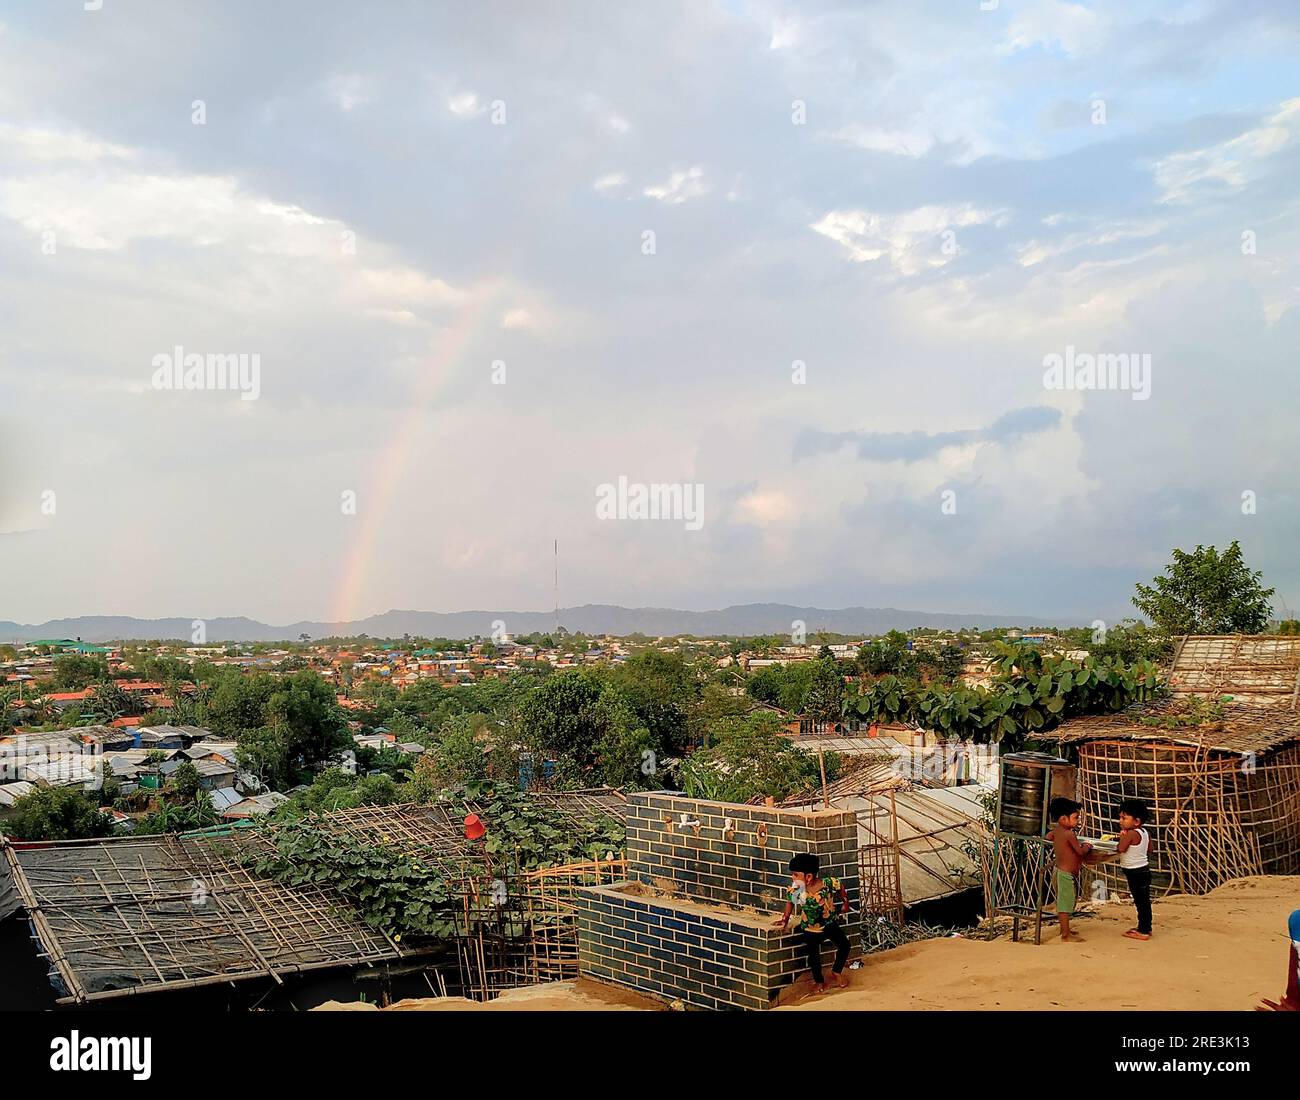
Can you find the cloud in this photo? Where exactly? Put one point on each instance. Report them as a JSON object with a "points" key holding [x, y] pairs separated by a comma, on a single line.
{"points": [[465, 105], [380, 248], [903, 143], [1228, 166], [914, 446], [349, 91], [680, 187], [1071, 29], [910, 239]]}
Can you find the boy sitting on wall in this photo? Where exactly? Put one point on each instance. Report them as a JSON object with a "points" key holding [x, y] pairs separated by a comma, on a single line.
{"points": [[818, 902]]}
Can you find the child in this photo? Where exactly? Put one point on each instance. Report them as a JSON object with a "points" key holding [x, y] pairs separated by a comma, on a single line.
{"points": [[1070, 854], [817, 901], [1134, 848]]}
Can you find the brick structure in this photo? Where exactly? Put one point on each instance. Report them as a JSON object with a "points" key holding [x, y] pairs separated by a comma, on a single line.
{"points": [[705, 882]]}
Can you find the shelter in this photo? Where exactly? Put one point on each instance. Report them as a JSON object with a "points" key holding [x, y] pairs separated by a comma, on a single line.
{"points": [[1255, 669], [132, 915], [915, 844], [1224, 794], [140, 914]]}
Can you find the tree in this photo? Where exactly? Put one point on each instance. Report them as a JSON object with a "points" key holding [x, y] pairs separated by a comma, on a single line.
{"points": [[952, 659], [109, 702], [238, 702], [825, 697], [749, 757], [306, 713], [457, 755], [75, 671], [663, 692], [8, 696], [887, 656], [590, 728], [58, 813], [1206, 592], [183, 783], [265, 753]]}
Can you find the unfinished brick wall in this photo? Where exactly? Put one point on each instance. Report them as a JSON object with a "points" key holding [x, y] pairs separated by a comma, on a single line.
{"points": [[712, 945], [745, 871]]}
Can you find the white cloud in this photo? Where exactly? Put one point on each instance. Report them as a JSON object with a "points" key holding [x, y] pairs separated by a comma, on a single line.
{"points": [[785, 34], [877, 139], [1229, 165], [609, 181], [1035, 251], [35, 143], [765, 508], [464, 105], [911, 240], [680, 186], [347, 91], [1055, 25]]}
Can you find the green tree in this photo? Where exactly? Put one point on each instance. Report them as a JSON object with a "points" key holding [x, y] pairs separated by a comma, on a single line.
{"points": [[76, 671], [238, 702], [825, 696], [1206, 592], [457, 755], [265, 753], [108, 701], [663, 693], [590, 729], [304, 710], [58, 813], [747, 758], [183, 783]]}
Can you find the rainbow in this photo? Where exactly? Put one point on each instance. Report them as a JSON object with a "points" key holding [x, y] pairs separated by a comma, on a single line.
{"points": [[374, 503]]}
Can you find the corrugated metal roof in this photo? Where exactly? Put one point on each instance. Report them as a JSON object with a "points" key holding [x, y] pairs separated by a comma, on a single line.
{"points": [[11, 792], [935, 826], [225, 797]]}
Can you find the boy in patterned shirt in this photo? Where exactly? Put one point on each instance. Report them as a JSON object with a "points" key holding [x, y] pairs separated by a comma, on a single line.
{"points": [[818, 902]]}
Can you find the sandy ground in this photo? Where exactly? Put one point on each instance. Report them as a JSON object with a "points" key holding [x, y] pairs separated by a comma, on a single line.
{"points": [[579, 996], [1226, 950]]}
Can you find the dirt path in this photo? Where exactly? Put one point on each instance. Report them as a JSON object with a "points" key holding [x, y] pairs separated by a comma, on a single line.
{"points": [[1225, 950]]}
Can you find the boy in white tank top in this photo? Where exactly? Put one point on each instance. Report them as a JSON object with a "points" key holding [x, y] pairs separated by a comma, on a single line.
{"points": [[1134, 851]]}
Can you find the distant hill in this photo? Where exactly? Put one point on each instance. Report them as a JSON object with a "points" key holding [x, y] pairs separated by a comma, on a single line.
{"points": [[753, 618]]}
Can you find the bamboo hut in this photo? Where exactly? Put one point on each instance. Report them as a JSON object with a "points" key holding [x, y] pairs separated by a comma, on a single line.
{"points": [[1218, 764]]}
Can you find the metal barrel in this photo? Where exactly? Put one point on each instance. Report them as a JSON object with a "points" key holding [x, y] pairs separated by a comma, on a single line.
{"points": [[1025, 790]]}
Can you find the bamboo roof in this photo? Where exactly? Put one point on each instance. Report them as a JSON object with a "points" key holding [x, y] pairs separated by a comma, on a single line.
{"points": [[140, 914], [1256, 669], [1240, 728]]}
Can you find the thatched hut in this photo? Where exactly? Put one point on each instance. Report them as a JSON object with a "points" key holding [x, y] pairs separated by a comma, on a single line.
{"points": [[1218, 764]]}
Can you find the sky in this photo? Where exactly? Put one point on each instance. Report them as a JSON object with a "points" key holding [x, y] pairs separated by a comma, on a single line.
{"points": [[809, 264]]}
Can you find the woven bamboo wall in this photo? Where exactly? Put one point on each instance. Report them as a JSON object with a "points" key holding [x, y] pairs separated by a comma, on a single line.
{"points": [[1214, 815]]}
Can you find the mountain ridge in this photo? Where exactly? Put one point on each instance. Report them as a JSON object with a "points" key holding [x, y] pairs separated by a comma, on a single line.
{"points": [[743, 619]]}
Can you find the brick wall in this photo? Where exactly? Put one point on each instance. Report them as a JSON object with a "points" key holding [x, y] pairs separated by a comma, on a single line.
{"points": [[713, 946], [741, 871]]}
